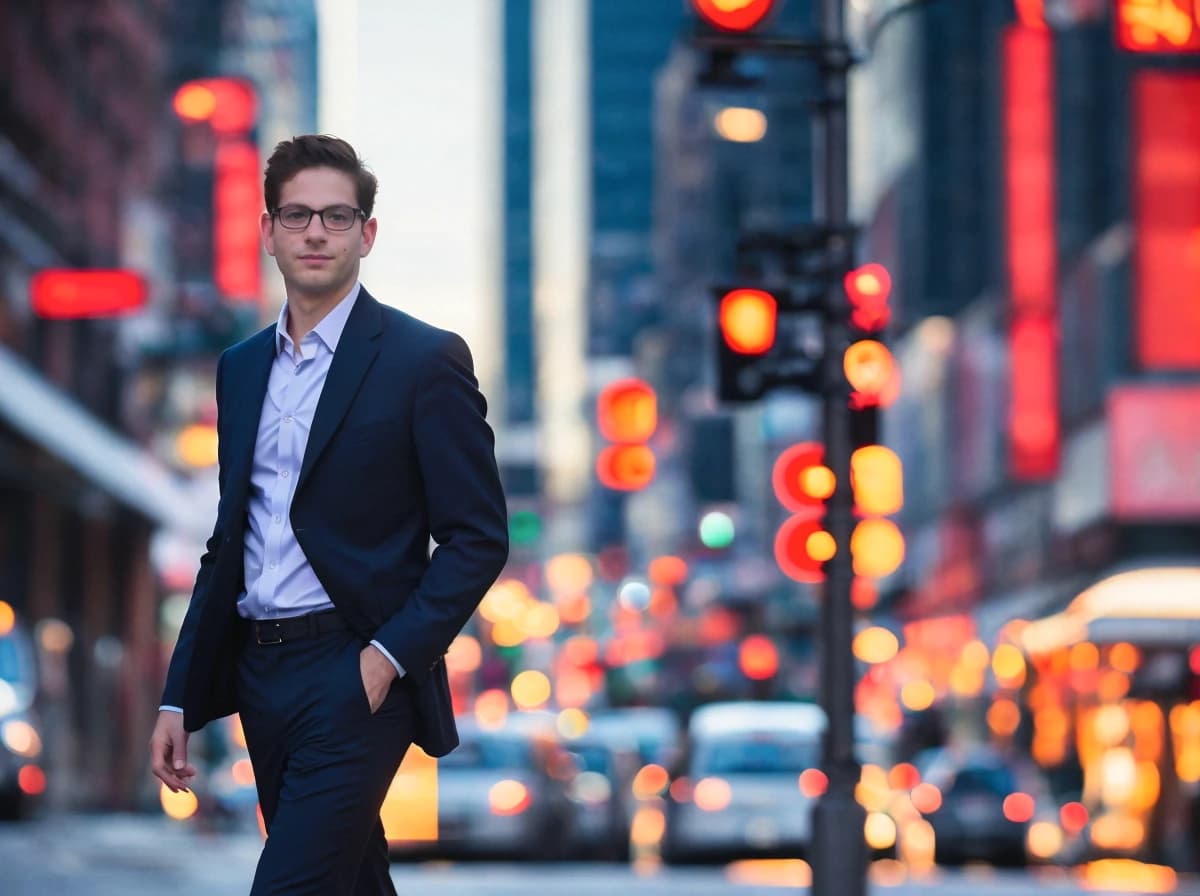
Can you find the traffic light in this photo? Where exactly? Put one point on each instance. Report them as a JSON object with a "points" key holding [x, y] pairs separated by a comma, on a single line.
{"points": [[877, 545], [876, 476], [747, 320], [229, 105], [627, 415], [868, 363], [735, 16], [803, 483]]}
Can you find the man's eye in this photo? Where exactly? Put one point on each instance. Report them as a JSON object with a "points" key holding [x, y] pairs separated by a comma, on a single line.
{"points": [[339, 216], [295, 216]]}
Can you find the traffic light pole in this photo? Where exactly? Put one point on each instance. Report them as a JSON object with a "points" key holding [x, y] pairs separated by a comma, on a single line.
{"points": [[839, 857]]}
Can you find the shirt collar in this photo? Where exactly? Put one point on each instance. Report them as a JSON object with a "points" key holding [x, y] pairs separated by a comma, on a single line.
{"points": [[329, 330]]}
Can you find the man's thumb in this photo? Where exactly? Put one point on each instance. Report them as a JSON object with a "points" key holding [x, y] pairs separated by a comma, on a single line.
{"points": [[180, 756]]}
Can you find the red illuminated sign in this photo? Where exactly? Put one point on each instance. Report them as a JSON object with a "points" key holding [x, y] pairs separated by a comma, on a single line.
{"points": [[1029, 166], [1033, 415], [1167, 219], [1154, 451], [1158, 26], [68, 294], [1033, 421], [237, 204]]}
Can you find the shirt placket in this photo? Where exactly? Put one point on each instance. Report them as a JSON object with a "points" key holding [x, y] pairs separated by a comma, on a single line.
{"points": [[286, 470]]}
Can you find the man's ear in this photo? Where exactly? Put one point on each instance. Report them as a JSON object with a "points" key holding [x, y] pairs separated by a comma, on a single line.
{"points": [[267, 230], [369, 229]]}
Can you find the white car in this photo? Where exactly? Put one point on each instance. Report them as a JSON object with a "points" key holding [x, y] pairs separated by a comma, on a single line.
{"points": [[749, 783]]}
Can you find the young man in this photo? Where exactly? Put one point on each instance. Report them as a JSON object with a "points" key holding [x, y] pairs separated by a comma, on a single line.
{"points": [[350, 434]]}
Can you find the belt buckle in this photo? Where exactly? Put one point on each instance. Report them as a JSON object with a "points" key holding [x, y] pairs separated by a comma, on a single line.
{"points": [[258, 628]]}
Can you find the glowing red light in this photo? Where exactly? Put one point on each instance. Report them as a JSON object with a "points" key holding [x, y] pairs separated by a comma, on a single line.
{"points": [[733, 15], [1074, 817], [813, 782], [1018, 807], [758, 658], [31, 780], [66, 294]]}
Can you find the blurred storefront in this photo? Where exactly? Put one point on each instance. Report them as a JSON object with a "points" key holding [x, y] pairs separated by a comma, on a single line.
{"points": [[98, 172], [1040, 227]]}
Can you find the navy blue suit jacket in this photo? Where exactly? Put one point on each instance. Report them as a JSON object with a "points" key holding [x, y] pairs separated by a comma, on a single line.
{"points": [[399, 451]]}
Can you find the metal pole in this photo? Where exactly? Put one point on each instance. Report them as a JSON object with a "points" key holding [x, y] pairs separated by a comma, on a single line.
{"points": [[839, 857]]}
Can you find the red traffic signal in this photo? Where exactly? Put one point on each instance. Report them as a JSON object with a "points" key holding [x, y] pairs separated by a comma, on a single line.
{"points": [[748, 319], [626, 414], [67, 294], [625, 468], [627, 411], [869, 288], [733, 15], [800, 478], [801, 548]]}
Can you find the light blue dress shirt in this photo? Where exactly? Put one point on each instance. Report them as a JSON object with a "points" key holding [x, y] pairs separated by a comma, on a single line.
{"points": [[280, 582]]}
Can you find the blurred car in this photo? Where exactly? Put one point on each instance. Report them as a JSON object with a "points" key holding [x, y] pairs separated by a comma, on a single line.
{"points": [[652, 732], [501, 793], [600, 797], [987, 802], [22, 778], [741, 789]]}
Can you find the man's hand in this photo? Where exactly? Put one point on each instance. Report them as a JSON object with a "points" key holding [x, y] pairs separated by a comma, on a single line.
{"points": [[377, 674], [168, 751]]}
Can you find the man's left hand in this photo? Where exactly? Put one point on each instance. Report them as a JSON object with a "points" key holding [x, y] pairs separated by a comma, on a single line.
{"points": [[377, 674]]}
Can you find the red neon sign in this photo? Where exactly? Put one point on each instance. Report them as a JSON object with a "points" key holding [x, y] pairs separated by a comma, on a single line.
{"points": [[236, 207], [1033, 422], [1158, 26], [1153, 431], [1033, 427], [1029, 166], [1167, 219], [68, 294]]}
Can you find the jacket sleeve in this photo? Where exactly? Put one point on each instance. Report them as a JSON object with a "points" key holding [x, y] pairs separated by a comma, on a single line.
{"points": [[181, 656], [455, 454]]}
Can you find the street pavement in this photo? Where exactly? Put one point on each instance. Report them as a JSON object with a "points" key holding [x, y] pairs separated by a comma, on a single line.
{"points": [[128, 855]]}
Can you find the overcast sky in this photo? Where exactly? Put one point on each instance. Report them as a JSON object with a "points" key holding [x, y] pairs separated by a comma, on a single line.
{"points": [[416, 87]]}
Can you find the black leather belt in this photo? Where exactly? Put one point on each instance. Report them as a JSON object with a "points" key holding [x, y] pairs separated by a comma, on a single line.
{"points": [[279, 631]]}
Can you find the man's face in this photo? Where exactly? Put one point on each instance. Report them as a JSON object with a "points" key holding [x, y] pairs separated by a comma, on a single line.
{"points": [[318, 263]]}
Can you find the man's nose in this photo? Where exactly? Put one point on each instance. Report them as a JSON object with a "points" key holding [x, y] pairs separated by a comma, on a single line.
{"points": [[315, 229]]}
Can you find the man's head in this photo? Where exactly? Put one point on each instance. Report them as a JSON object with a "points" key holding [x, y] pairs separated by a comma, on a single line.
{"points": [[318, 223]]}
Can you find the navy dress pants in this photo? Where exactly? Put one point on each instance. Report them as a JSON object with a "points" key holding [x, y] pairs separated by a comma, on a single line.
{"points": [[322, 765]]}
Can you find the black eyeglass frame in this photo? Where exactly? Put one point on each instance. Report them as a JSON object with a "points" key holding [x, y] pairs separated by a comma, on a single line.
{"points": [[359, 214]]}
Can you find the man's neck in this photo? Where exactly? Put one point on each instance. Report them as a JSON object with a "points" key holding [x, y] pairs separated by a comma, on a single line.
{"points": [[305, 312]]}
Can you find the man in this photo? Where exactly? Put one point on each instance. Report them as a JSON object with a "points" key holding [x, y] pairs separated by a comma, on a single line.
{"points": [[350, 434]]}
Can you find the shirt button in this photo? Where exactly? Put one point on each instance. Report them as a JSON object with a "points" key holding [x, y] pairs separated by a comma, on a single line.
{"points": [[284, 473], [272, 566], [278, 517], [287, 419]]}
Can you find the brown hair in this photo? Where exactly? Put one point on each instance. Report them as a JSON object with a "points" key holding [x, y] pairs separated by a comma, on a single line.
{"points": [[317, 151]]}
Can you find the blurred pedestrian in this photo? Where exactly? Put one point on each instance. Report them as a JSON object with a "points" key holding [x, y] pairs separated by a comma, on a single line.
{"points": [[350, 434]]}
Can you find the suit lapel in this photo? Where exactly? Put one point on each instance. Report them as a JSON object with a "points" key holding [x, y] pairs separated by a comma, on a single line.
{"points": [[355, 353], [247, 380]]}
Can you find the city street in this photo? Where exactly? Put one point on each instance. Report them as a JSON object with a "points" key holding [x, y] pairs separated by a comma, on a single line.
{"points": [[124, 855]]}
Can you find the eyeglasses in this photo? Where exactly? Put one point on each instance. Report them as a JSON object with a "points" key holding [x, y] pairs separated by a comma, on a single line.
{"points": [[335, 217]]}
